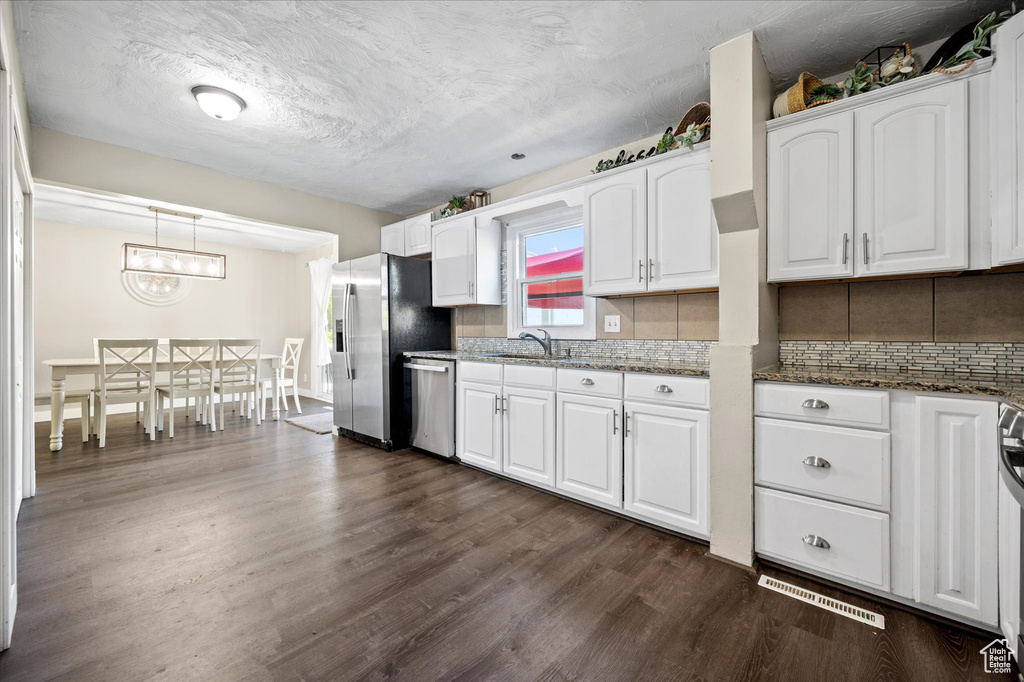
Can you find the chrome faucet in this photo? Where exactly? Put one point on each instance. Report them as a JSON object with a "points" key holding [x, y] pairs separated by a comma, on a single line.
{"points": [[545, 342]]}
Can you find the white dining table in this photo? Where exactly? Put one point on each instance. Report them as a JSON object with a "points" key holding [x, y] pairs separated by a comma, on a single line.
{"points": [[61, 369]]}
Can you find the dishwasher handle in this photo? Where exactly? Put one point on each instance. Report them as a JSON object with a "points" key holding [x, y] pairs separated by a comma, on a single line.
{"points": [[426, 368]]}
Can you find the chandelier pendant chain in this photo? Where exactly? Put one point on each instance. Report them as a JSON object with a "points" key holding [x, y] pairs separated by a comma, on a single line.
{"points": [[157, 229]]}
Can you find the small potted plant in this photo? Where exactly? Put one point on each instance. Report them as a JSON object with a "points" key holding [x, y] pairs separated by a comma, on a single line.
{"points": [[456, 206]]}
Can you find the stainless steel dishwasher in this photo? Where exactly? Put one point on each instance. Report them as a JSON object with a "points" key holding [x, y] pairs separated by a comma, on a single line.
{"points": [[432, 387]]}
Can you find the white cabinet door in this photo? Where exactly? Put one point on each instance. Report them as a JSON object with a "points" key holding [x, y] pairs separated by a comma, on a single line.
{"points": [[589, 453], [478, 411], [529, 427], [957, 500], [453, 271], [666, 465], [810, 199], [417, 235], [392, 239], [1009, 564], [1008, 143], [911, 184], [615, 234], [682, 236]]}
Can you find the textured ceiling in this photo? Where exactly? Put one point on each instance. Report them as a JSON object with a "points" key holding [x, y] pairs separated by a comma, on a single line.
{"points": [[395, 105]]}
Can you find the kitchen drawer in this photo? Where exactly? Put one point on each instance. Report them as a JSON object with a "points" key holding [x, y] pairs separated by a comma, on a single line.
{"points": [[836, 463], [857, 539], [486, 372], [590, 382], [530, 377], [671, 390], [825, 405]]}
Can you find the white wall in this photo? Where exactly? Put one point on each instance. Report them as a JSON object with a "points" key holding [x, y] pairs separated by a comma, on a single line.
{"points": [[77, 161], [79, 296], [304, 310]]}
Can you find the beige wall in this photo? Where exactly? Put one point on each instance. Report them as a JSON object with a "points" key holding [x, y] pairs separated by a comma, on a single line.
{"points": [[78, 296], [80, 162]]}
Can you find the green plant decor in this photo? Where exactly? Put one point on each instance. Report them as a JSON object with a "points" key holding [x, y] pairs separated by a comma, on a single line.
{"points": [[692, 135], [667, 142], [824, 93], [458, 202], [980, 46], [863, 79]]}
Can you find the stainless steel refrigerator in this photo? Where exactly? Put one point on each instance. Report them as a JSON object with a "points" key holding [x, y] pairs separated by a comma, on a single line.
{"points": [[382, 308]]}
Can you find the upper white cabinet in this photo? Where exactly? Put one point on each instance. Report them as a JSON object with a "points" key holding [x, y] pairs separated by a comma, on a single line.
{"points": [[810, 199], [894, 181], [651, 228], [957, 506], [466, 266], [417, 235], [1008, 143], [615, 234], [682, 236], [392, 239], [911, 185]]}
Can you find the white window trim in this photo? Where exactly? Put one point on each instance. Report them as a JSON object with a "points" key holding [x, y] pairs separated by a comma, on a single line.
{"points": [[514, 231]]}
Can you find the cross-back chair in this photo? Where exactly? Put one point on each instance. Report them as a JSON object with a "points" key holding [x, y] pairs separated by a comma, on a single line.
{"points": [[127, 375], [289, 363], [238, 373], [193, 368]]}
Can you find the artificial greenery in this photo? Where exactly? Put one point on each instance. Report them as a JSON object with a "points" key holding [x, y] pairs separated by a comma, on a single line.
{"points": [[981, 45], [863, 79], [824, 93], [458, 202]]}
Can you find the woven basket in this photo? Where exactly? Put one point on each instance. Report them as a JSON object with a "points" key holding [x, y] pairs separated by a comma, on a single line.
{"points": [[699, 113], [795, 99]]}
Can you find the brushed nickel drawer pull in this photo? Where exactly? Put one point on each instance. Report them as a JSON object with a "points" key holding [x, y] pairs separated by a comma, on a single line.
{"points": [[662, 388], [587, 381], [814, 404], [615, 422], [846, 246], [817, 541], [819, 462]]}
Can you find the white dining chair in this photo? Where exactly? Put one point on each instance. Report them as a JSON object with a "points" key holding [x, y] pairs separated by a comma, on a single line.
{"points": [[238, 373], [85, 399], [193, 379], [127, 375], [161, 354], [289, 363]]}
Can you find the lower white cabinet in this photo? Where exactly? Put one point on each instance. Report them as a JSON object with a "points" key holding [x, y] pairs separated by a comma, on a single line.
{"points": [[1010, 578], [589, 461], [957, 506], [666, 465], [529, 428], [479, 424]]}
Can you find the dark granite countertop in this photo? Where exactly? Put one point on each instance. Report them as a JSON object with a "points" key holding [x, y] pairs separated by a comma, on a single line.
{"points": [[609, 364], [1009, 388]]}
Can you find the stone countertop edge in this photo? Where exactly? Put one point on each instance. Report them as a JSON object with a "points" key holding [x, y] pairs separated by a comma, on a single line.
{"points": [[1008, 388], [606, 364]]}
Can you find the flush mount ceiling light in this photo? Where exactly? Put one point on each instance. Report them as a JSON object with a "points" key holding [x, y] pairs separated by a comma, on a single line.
{"points": [[157, 260], [518, 156], [218, 102]]}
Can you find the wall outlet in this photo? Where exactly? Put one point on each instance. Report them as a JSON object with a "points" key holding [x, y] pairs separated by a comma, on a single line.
{"points": [[305, 378], [612, 323]]}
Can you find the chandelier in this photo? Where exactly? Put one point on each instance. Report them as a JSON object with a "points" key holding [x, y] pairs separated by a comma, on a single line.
{"points": [[158, 261]]}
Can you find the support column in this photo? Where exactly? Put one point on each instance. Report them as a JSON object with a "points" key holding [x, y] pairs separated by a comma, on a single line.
{"points": [[741, 99]]}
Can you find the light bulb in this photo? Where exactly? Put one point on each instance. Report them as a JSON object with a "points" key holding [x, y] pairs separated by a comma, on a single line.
{"points": [[212, 268], [136, 259], [193, 266], [218, 103], [176, 264], [156, 263]]}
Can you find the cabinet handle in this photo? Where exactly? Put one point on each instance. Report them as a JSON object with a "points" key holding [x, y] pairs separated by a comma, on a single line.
{"points": [[495, 404], [615, 422], [662, 388], [816, 541], [814, 404], [650, 268], [587, 381], [625, 423], [865, 248], [504, 405], [641, 276], [846, 246], [815, 461]]}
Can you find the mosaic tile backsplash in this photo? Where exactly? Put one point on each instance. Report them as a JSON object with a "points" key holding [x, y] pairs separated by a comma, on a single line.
{"points": [[914, 356], [696, 352]]}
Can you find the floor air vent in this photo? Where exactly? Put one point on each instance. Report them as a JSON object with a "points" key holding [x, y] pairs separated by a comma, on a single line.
{"points": [[834, 605]]}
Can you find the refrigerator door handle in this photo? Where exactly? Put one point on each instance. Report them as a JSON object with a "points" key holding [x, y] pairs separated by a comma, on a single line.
{"points": [[345, 335]]}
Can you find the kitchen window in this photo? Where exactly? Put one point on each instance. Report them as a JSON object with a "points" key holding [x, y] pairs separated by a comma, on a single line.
{"points": [[545, 276]]}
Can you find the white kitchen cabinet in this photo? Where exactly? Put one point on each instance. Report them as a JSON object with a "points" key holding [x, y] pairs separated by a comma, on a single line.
{"points": [[478, 439], [1008, 143], [589, 451], [682, 236], [392, 239], [957, 507], [666, 465], [615, 234], [911, 184], [466, 268], [1010, 579], [810, 199], [417, 235], [529, 428]]}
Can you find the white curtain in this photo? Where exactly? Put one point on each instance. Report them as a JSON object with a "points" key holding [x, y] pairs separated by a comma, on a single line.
{"points": [[320, 289]]}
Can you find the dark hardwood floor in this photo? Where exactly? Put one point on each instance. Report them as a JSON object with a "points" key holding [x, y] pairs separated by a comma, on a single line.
{"points": [[272, 553]]}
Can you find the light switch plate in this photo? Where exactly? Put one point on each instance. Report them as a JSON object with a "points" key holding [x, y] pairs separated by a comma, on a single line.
{"points": [[612, 323]]}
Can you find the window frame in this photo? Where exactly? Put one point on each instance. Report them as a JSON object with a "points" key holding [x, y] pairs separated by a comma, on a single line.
{"points": [[516, 232]]}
